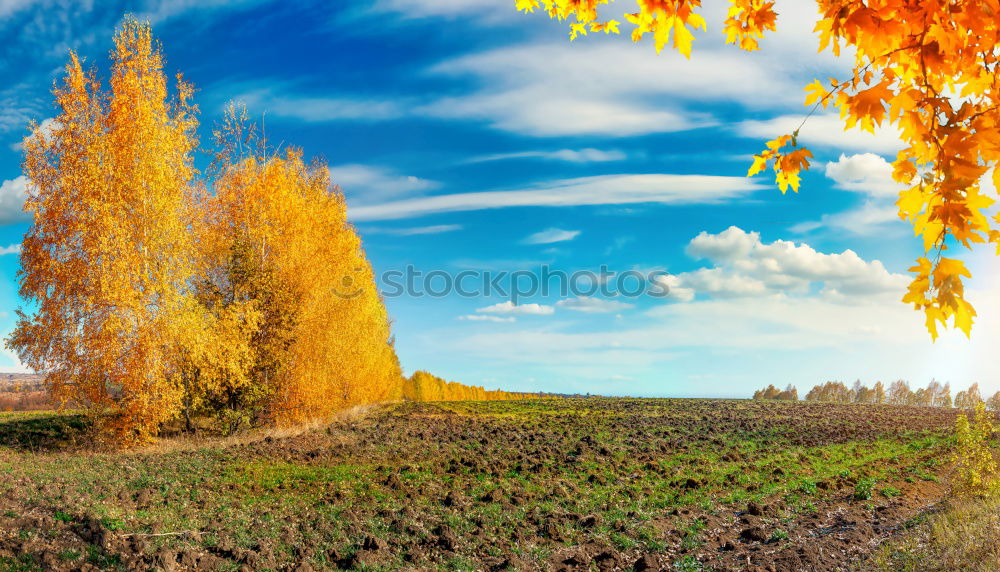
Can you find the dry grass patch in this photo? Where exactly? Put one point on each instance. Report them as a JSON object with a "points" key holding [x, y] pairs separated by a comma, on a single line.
{"points": [[962, 535]]}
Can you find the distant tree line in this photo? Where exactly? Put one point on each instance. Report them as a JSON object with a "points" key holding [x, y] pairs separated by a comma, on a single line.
{"points": [[424, 386], [772, 393], [899, 392]]}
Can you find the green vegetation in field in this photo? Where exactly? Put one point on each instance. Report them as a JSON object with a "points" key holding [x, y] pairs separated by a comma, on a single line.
{"points": [[451, 483]]}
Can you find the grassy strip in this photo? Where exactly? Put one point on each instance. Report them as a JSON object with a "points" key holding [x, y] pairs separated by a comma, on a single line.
{"points": [[961, 535]]}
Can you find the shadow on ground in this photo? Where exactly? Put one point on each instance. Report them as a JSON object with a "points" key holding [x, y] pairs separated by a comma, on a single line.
{"points": [[41, 432]]}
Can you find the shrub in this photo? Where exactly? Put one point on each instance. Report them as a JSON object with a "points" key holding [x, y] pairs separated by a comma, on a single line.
{"points": [[973, 456]]}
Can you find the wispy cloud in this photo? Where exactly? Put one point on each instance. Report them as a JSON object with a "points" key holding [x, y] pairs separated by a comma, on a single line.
{"points": [[486, 318], [413, 230], [824, 130], [591, 305], [597, 190], [550, 236], [587, 155], [871, 176], [511, 308], [285, 101], [367, 184]]}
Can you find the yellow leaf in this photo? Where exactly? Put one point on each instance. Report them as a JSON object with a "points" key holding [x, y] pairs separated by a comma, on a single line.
{"points": [[815, 92]]}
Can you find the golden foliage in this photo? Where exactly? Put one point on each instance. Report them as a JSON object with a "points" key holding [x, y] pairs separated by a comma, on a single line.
{"points": [[977, 469], [283, 246], [158, 294], [927, 68], [424, 386], [108, 258]]}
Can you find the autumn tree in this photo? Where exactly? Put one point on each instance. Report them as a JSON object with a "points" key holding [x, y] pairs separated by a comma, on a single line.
{"points": [[281, 243], [944, 399], [768, 393], [831, 391], [107, 262], [878, 393], [969, 398], [425, 386], [928, 69], [900, 393], [789, 394], [993, 403]]}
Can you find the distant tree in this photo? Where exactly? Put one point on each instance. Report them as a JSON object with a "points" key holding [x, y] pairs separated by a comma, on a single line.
{"points": [[768, 393], [944, 400], [922, 397], [878, 393], [857, 391], [831, 391], [969, 398], [789, 394], [993, 403], [900, 393]]}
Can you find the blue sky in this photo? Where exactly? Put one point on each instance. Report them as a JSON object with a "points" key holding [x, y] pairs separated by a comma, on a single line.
{"points": [[468, 136]]}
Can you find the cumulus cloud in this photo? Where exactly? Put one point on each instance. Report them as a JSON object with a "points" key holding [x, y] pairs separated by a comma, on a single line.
{"points": [[509, 307], [550, 236], [591, 305], [865, 173], [12, 195], [869, 175], [596, 190], [10, 249], [745, 266]]}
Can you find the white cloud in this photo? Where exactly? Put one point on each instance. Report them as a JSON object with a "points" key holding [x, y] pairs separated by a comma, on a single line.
{"points": [[161, 10], [865, 173], [414, 231], [869, 175], [11, 249], [588, 155], [285, 103], [607, 88], [590, 305], [15, 363], [550, 236], [509, 307], [824, 130], [598, 190], [745, 266], [44, 129], [483, 318], [12, 195], [365, 184], [450, 9], [870, 218]]}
